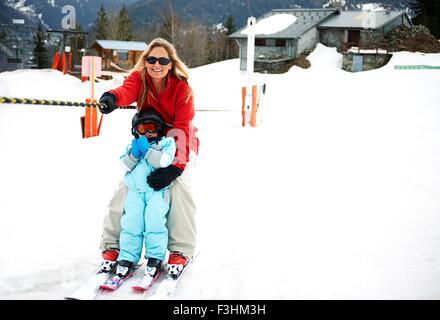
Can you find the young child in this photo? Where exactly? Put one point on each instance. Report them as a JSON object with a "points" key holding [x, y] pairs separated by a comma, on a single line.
{"points": [[144, 219]]}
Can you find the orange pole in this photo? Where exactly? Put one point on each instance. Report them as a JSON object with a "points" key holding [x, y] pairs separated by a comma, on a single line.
{"points": [[94, 121], [253, 119], [56, 61], [63, 63], [243, 111], [87, 118]]}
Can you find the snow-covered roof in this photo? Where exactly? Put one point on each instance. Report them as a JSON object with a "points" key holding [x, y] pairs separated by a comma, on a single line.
{"points": [[122, 45], [278, 24], [360, 19], [273, 24]]}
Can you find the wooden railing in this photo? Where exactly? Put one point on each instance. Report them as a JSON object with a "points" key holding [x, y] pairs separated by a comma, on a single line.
{"points": [[364, 46]]}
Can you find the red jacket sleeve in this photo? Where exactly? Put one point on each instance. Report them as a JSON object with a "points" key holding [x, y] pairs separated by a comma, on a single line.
{"points": [[129, 91], [182, 124]]}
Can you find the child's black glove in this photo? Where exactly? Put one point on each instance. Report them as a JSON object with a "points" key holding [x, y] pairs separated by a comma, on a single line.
{"points": [[107, 103], [162, 177]]}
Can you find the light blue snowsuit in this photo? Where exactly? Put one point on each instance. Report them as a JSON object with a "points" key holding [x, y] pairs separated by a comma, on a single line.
{"points": [[144, 218]]}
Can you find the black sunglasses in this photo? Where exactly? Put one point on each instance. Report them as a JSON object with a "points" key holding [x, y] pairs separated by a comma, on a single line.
{"points": [[162, 61]]}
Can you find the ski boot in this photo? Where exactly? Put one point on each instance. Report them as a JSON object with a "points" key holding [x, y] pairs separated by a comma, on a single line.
{"points": [[108, 263], [152, 271], [124, 269], [177, 261]]}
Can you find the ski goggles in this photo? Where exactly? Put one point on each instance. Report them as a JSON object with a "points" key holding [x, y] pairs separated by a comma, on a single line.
{"points": [[162, 60], [148, 127]]}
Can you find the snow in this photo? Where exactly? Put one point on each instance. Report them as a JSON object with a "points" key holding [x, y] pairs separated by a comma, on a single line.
{"points": [[331, 2], [20, 5], [367, 51], [371, 7], [273, 24], [334, 195]]}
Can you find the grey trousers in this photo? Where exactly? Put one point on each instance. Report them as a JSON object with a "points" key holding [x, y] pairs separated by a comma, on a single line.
{"points": [[181, 222]]}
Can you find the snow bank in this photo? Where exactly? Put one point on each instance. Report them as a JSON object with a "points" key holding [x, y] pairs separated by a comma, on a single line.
{"points": [[414, 58], [325, 58]]}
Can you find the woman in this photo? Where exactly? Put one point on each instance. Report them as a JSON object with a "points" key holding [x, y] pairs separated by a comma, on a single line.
{"points": [[159, 81]]}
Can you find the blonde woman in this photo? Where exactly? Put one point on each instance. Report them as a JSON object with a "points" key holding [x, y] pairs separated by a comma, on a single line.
{"points": [[159, 81]]}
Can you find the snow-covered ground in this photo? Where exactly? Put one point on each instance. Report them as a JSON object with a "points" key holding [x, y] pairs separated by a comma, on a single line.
{"points": [[335, 195]]}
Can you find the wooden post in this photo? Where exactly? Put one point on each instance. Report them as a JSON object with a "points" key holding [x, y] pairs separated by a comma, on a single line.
{"points": [[94, 114], [89, 123]]}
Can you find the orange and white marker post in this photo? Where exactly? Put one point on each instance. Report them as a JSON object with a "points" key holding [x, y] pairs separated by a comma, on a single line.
{"points": [[91, 67], [249, 93]]}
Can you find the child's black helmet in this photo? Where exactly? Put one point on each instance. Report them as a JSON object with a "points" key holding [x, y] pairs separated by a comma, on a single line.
{"points": [[149, 115]]}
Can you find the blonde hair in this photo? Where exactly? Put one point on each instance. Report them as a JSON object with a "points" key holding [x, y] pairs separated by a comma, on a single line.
{"points": [[178, 69]]}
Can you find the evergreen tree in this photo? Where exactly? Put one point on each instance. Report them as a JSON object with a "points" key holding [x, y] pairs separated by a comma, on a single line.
{"points": [[123, 26], [428, 14], [230, 25], [231, 50], [101, 24], [40, 51]]}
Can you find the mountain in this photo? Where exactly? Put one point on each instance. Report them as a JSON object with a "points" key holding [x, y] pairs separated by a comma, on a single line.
{"points": [[145, 13], [148, 12], [49, 12]]}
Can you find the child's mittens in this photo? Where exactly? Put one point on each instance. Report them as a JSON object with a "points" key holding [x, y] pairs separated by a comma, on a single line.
{"points": [[135, 151], [143, 145]]}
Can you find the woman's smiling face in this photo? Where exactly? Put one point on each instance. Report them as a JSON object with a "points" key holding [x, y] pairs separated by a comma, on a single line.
{"points": [[156, 70]]}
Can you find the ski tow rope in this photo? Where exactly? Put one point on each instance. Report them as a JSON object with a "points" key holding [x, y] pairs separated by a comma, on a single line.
{"points": [[55, 103]]}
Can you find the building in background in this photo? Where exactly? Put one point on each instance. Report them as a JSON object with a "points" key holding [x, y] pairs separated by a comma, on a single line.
{"points": [[331, 27], [287, 44], [360, 29], [119, 55]]}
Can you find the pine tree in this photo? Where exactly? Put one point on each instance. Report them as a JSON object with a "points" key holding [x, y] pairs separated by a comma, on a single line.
{"points": [[124, 26], [230, 25], [230, 46], [40, 51], [101, 24]]}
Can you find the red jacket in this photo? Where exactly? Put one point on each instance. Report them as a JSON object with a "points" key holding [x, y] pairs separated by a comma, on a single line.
{"points": [[175, 104]]}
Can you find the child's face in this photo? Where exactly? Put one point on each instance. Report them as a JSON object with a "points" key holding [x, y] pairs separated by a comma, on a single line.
{"points": [[148, 129], [150, 135]]}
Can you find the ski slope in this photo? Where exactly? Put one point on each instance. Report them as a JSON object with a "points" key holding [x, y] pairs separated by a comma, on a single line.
{"points": [[335, 195]]}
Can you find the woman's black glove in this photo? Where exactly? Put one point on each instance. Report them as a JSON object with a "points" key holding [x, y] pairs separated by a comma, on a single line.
{"points": [[162, 177], [107, 103]]}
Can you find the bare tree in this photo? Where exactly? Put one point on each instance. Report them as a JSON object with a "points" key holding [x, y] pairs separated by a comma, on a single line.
{"points": [[170, 23], [193, 43], [112, 29]]}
